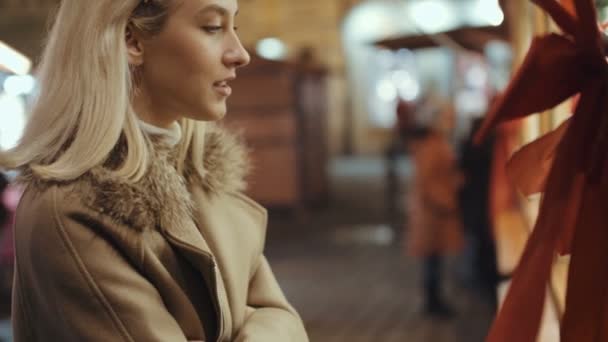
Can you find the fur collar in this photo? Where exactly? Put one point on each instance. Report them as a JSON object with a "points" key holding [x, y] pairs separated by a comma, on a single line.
{"points": [[162, 197]]}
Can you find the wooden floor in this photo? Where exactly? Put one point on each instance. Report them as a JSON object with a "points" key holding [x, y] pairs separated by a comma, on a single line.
{"points": [[345, 272]]}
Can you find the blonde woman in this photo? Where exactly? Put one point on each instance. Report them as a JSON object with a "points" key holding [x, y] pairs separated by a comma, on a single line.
{"points": [[132, 226]]}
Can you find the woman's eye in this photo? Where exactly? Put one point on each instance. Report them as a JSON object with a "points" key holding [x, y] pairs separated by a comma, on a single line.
{"points": [[212, 29]]}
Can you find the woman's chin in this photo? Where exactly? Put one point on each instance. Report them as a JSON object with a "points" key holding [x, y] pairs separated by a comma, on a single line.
{"points": [[220, 111], [209, 114], [217, 115]]}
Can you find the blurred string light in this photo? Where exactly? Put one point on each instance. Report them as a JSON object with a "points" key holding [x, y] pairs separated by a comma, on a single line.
{"points": [[489, 11], [500, 57], [476, 77], [16, 85], [407, 86], [386, 90], [471, 102], [399, 83], [271, 48], [14, 61]]}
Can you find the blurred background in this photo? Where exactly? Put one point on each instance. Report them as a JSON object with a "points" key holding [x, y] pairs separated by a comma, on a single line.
{"points": [[386, 222]]}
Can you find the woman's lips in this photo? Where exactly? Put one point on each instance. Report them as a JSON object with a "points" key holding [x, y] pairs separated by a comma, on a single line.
{"points": [[222, 88]]}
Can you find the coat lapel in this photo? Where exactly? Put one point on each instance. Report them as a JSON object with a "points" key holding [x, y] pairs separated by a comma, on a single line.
{"points": [[188, 241]]}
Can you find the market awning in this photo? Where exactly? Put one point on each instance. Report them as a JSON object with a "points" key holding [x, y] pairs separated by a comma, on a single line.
{"points": [[470, 38]]}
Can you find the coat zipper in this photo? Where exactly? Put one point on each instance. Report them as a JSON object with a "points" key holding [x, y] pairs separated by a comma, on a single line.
{"points": [[216, 301]]}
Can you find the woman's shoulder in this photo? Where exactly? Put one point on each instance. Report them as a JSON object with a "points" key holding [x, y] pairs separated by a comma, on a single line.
{"points": [[45, 200], [52, 204], [41, 215], [251, 206], [56, 217]]}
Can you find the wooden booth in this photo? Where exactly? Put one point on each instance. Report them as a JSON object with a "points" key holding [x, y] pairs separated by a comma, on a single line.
{"points": [[281, 108]]}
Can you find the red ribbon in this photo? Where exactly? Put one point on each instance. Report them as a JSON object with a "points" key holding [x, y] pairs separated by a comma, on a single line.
{"points": [[570, 166]]}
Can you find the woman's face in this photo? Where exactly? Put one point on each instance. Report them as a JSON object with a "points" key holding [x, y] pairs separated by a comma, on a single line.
{"points": [[187, 67]]}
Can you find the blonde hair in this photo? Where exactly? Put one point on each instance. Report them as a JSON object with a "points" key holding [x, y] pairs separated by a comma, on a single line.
{"points": [[84, 103]]}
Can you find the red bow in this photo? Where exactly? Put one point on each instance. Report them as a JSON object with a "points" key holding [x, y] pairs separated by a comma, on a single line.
{"points": [[570, 166]]}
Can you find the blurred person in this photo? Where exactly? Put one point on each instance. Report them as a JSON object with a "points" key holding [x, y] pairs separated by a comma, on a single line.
{"points": [[6, 246], [476, 164], [133, 225], [433, 216], [9, 199], [404, 123], [406, 119]]}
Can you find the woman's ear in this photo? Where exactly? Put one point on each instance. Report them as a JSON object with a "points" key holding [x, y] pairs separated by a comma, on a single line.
{"points": [[135, 48]]}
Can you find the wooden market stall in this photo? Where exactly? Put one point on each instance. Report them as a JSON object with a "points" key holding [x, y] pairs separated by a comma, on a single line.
{"points": [[281, 108]]}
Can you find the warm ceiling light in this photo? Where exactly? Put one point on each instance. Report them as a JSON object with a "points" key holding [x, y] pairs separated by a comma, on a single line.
{"points": [[489, 11], [431, 16], [14, 61]]}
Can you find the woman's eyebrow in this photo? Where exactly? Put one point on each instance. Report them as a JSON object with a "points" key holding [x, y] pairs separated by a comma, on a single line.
{"points": [[222, 11]]}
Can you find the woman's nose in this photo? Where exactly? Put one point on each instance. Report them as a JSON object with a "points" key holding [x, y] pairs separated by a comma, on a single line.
{"points": [[236, 56]]}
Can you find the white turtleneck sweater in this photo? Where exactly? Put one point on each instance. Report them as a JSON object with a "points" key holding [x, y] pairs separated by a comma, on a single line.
{"points": [[171, 135]]}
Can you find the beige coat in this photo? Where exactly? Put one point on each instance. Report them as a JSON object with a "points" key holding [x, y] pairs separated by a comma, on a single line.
{"points": [[434, 222], [170, 258]]}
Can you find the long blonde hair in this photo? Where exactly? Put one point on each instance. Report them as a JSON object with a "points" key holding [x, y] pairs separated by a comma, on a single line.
{"points": [[84, 102]]}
